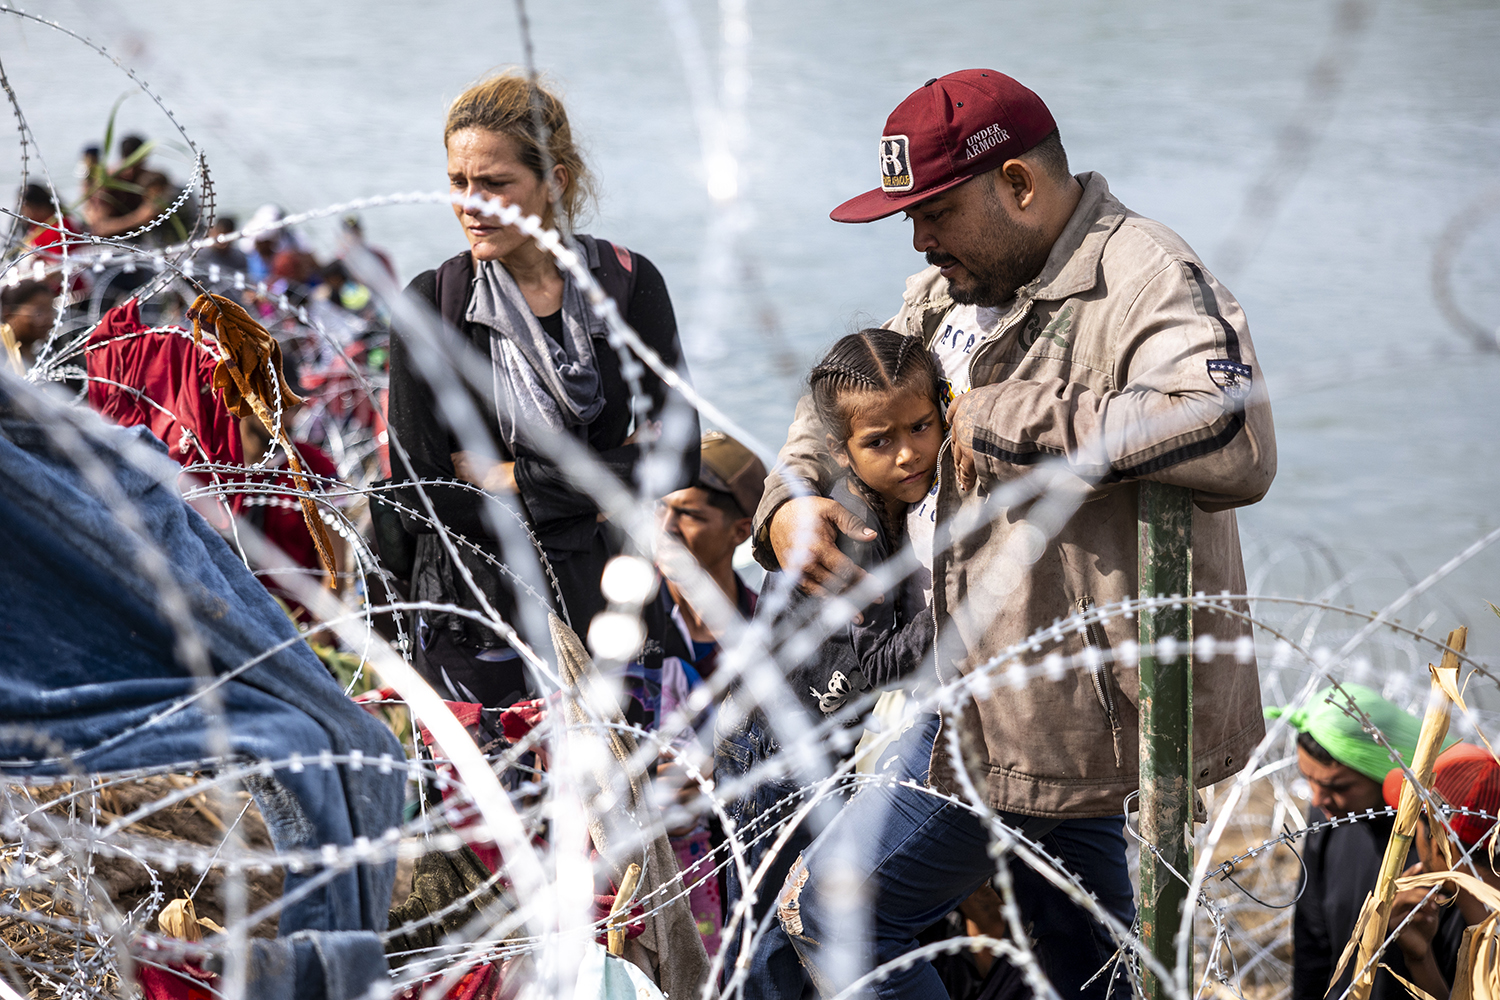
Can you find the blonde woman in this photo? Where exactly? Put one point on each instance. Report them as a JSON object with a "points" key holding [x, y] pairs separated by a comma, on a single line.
{"points": [[549, 365]]}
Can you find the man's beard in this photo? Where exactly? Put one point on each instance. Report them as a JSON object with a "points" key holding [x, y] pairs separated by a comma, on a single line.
{"points": [[1013, 256]]}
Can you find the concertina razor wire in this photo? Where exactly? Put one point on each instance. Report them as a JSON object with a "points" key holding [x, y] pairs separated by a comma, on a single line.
{"points": [[74, 838]]}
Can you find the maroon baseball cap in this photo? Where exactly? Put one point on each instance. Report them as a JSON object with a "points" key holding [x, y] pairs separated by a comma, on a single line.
{"points": [[955, 127]]}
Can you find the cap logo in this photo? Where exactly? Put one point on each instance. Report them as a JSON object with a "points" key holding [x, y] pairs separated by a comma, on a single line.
{"points": [[895, 163], [985, 139]]}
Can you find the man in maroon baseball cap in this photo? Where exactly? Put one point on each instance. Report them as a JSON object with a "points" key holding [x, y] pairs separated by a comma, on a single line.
{"points": [[988, 238], [956, 127], [1074, 336]]}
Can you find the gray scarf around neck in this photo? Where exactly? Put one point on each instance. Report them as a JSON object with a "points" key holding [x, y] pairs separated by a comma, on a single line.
{"points": [[537, 380]]}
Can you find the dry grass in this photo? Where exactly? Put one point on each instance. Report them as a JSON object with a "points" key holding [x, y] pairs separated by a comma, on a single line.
{"points": [[199, 821], [1256, 956]]}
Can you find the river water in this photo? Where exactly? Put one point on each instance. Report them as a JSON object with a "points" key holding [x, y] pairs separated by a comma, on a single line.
{"points": [[1313, 153]]}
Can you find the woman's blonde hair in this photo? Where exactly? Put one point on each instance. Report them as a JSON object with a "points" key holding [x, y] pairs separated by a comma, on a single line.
{"points": [[509, 104]]}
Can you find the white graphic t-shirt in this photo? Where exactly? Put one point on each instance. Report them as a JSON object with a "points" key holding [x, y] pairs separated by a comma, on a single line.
{"points": [[959, 334], [962, 331], [921, 518]]}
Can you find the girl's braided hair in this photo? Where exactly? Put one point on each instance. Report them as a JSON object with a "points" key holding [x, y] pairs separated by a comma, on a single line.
{"points": [[873, 360], [870, 361]]}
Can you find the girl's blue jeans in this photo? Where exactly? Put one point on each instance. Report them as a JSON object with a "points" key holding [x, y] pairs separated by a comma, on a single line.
{"points": [[896, 860]]}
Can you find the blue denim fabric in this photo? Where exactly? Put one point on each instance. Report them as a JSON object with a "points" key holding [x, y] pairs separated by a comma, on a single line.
{"points": [[315, 965], [86, 659], [775, 971], [918, 858]]}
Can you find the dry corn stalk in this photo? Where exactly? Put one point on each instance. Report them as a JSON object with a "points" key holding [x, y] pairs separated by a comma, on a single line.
{"points": [[248, 354], [1478, 975], [621, 909], [179, 919], [1370, 930]]}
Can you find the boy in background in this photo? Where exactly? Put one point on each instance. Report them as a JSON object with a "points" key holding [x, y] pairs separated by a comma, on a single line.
{"points": [[25, 320], [704, 523]]}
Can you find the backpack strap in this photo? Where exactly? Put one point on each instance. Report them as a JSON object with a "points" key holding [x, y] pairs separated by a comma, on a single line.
{"points": [[454, 278], [614, 268]]}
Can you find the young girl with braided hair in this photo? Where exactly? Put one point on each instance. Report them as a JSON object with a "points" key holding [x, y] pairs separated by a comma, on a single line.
{"points": [[876, 393]]}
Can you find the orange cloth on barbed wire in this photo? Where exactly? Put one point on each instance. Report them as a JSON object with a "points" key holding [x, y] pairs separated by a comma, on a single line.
{"points": [[246, 346], [250, 376]]}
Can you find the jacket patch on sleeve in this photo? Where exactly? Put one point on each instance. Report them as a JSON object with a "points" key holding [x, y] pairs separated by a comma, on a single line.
{"points": [[1231, 376]]}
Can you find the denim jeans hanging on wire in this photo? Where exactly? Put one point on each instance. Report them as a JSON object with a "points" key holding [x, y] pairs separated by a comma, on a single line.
{"points": [[87, 660]]}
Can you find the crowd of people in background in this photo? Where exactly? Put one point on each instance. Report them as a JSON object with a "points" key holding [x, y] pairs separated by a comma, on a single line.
{"points": [[336, 345], [127, 206], [331, 328]]}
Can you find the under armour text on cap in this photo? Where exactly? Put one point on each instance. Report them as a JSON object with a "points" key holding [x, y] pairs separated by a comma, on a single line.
{"points": [[951, 129]]}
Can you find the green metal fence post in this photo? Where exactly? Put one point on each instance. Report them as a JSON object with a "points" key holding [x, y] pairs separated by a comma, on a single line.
{"points": [[1166, 706]]}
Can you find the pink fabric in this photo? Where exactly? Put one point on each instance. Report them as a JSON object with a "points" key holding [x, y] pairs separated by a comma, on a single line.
{"points": [[696, 848]]}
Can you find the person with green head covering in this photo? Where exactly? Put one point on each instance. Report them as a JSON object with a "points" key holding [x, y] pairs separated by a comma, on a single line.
{"points": [[1344, 767], [1333, 736]]}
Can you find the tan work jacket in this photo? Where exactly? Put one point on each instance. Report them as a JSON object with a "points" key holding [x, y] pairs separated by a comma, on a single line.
{"points": [[1123, 360]]}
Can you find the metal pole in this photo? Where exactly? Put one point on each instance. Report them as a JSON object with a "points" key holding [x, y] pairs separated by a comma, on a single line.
{"points": [[1166, 708]]}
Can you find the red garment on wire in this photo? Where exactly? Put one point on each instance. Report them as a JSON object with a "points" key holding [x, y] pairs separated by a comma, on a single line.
{"points": [[166, 369], [177, 981]]}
